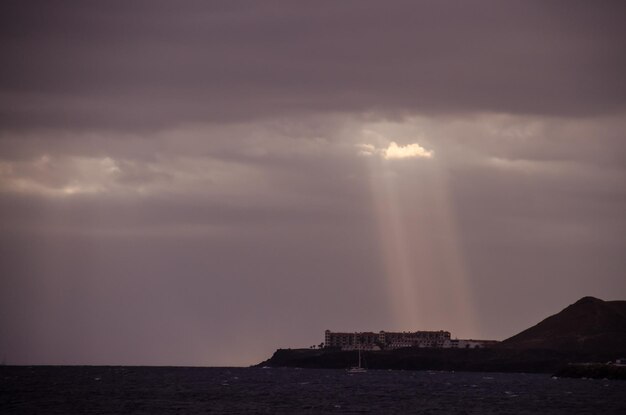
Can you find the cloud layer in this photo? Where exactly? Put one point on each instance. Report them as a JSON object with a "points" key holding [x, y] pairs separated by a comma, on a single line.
{"points": [[178, 179], [139, 66]]}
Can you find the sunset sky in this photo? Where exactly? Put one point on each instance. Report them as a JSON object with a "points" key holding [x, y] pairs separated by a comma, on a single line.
{"points": [[202, 182]]}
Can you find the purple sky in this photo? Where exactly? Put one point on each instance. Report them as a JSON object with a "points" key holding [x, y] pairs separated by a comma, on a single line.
{"points": [[199, 183]]}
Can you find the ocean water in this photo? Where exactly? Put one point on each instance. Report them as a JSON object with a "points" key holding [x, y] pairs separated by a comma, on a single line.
{"points": [[179, 390]]}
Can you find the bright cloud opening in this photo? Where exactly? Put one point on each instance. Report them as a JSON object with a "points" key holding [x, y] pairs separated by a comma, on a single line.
{"points": [[395, 151], [414, 150]]}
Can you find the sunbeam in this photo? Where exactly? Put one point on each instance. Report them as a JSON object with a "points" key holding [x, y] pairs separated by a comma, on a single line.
{"points": [[425, 273]]}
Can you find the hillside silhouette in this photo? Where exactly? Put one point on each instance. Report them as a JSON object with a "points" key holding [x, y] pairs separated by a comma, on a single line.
{"points": [[590, 330], [590, 325]]}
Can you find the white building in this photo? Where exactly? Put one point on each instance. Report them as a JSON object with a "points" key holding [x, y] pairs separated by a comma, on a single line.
{"points": [[397, 340]]}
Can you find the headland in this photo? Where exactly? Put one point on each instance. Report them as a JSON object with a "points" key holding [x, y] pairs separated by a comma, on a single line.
{"points": [[586, 339]]}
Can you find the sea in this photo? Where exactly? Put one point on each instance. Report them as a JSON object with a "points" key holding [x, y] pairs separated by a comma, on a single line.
{"points": [[199, 390]]}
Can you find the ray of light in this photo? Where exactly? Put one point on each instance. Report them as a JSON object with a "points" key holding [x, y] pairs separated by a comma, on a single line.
{"points": [[425, 272], [399, 270]]}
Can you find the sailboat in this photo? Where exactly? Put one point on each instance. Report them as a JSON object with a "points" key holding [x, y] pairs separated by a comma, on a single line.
{"points": [[359, 368]]}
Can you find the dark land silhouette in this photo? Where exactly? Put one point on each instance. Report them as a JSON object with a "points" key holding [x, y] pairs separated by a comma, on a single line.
{"points": [[588, 331], [590, 325]]}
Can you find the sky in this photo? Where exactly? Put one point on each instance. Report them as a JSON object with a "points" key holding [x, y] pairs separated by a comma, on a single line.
{"points": [[202, 182]]}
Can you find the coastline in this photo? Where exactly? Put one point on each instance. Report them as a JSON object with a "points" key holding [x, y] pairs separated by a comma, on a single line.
{"points": [[467, 360]]}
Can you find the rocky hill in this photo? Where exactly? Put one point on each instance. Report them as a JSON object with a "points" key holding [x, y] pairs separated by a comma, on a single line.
{"points": [[590, 325]]}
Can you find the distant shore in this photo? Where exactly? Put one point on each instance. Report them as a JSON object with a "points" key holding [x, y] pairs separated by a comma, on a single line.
{"points": [[576, 342], [470, 360]]}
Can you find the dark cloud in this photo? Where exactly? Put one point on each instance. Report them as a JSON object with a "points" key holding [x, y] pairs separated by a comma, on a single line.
{"points": [[143, 65]]}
